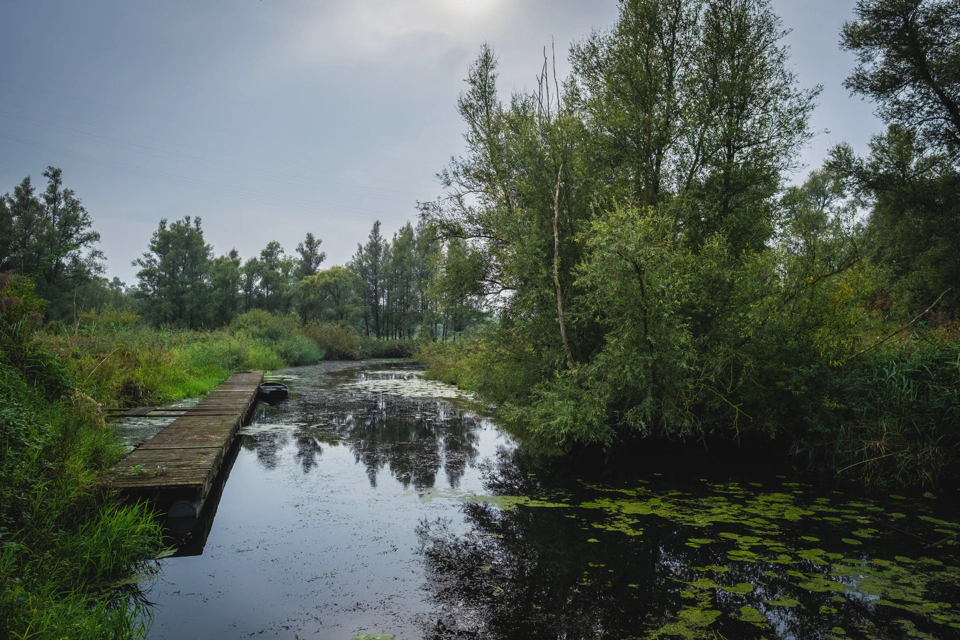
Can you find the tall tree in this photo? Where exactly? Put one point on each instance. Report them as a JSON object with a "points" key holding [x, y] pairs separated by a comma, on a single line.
{"points": [[224, 300], [369, 264], [907, 52], [330, 296], [310, 257], [400, 300], [51, 239], [174, 274], [426, 256], [268, 280]]}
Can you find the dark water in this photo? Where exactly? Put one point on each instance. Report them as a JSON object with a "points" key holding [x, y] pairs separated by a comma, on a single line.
{"points": [[374, 502]]}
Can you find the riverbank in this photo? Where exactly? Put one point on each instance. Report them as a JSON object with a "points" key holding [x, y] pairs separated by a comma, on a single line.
{"points": [[888, 418], [69, 552]]}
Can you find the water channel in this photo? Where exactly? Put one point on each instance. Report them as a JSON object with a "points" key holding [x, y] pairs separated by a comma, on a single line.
{"points": [[376, 502]]}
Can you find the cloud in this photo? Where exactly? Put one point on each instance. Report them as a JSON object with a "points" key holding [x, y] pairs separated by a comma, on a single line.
{"points": [[394, 34]]}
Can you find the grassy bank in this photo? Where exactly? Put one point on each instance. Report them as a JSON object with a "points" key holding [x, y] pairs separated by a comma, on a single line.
{"points": [[890, 417], [118, 359], [68, 549]]}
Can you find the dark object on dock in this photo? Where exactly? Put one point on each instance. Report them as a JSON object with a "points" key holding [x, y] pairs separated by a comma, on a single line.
{"points": [[272, 392]]}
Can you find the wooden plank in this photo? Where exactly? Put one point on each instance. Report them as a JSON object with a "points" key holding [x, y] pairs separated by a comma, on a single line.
{"points": [[182, 460]]}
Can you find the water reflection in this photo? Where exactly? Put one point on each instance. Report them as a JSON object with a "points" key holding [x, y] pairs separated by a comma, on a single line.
{"points": [[604, 562], [374, 502], [413, 437]]}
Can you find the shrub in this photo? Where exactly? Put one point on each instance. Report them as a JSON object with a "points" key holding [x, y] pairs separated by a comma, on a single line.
{"points": [[337, 341]]}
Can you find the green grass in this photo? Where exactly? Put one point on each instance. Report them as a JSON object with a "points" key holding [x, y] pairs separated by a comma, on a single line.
{"points": [[70, 553]]}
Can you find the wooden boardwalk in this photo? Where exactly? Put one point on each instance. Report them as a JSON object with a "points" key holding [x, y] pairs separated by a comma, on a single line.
{"points": [[180, 463]]}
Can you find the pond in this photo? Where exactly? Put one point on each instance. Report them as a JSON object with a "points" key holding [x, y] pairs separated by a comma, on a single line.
{"points": [[376, 502]]}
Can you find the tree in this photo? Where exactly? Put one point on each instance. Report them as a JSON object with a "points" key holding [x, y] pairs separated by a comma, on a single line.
{"points": [[426, 255], [224, 301], [310, 257], [632, 218], [268, 280], [907, 63], [457, 287], [400, 301], [330, 296], [369, 264], [907, 53], [50, 239], [174, 274]]}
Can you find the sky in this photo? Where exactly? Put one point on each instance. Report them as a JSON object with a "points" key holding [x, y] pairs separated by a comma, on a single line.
{"points": [[269, 119]]}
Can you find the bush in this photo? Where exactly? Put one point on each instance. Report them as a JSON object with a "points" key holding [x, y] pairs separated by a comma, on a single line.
{"points": [[280, 333], [895, 416], [384, 348], [337, 341]]}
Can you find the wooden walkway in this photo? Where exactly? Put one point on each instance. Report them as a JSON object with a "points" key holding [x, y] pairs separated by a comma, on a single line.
{"points": [[180, 463]]}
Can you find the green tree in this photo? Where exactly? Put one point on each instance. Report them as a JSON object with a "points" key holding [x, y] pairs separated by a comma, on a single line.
{"points": [[224, 300], [174, 279], [369, 264], [907, 63], [399, 298], [631, 218], [268, 280], [310, 257], [50, 239], [907, 53], [426, 255], [330, 296], [458, 289]]}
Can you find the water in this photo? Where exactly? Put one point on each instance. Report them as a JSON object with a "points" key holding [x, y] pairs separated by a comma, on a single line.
{"points": [[374, 502]]}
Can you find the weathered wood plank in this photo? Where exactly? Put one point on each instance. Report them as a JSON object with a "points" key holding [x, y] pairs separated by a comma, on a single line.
{"points": [[182, 460]]}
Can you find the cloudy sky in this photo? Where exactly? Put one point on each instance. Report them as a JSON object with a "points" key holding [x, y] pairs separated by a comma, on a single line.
{"points": [[272, 118]]}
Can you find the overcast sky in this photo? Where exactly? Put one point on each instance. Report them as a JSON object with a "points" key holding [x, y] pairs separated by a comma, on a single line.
{"points": [[272, 118]]}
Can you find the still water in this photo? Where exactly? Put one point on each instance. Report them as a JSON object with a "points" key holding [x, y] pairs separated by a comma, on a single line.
{"points": [[375, 502]]}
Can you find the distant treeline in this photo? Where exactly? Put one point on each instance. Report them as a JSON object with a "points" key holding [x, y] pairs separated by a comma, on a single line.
{"points": [[413, 285]]}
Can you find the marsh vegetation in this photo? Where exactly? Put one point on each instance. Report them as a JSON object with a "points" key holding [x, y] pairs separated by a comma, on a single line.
{"points": [[625, 264]]}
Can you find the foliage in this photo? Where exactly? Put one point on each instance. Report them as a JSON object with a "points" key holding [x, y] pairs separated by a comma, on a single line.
{"points": [[283, 332], [173, 274], [895, 415], [310, 257], [651, 275], [414, 285], [330, 296], [338, 342], [49, 238], [906, 63], [63, 544]]}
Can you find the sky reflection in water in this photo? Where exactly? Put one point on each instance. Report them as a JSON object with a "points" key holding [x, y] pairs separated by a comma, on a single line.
{"points": [[376, 502]]}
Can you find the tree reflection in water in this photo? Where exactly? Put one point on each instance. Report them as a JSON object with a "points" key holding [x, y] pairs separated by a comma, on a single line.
{"points": [[539, 572], [413, 438], [545, 555]]}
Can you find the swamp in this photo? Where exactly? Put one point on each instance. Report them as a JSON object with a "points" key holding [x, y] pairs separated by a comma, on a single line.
{"points": [[374, 501]]}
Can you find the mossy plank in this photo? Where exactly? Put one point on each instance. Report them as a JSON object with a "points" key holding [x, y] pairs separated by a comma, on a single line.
{"points": [[184, 457]]}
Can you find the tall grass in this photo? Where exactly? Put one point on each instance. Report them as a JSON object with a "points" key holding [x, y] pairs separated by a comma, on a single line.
{"points": [[896, 415], [118, 359], [65, 545]]}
